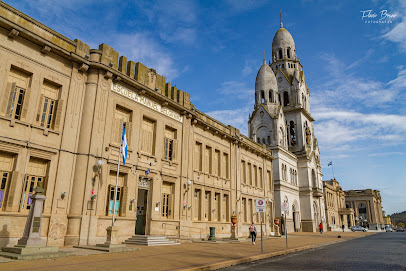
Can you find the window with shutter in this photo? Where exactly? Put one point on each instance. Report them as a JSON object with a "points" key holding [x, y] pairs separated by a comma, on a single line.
{"points": [[167, 200], [110, 200], [170, 144], [148, 136], [198, 156], [16, 103], [217, 163], [124, 116], [6, 167], [224, 172], [209, 160]]}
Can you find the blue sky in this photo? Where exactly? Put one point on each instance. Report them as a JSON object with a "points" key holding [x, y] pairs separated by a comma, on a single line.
{"points": [[356, 71]]}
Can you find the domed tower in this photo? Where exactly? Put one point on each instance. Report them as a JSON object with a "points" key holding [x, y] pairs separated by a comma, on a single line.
{"points": [[284, 52], [267, 124], [266, 87]]}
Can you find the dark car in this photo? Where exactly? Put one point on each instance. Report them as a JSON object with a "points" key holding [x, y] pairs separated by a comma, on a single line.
{"points": [[400, 229]]}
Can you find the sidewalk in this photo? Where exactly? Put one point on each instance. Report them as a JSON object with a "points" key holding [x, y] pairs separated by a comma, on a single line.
{"points": [[190, 256]]}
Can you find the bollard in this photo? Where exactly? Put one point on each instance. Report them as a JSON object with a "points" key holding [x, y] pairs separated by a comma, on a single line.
{"points": [[212, 236]]}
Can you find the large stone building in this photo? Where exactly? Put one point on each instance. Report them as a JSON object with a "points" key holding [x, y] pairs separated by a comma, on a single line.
{"points": [[282, 121], [62, 106], [337, 214], [367, 205]]}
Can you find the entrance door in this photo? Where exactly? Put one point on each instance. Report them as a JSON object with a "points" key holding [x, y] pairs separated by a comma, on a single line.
{"points": [[142, 207], [294, 221]]}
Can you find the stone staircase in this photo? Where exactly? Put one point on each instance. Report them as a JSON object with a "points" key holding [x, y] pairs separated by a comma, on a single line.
{"points": [[147, 240]]}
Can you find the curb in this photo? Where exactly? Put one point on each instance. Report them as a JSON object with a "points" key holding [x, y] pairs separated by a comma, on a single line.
{"points": [[225, 264]]}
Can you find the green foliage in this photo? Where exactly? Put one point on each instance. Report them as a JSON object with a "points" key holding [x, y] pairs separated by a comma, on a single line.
{"points": [[400, 224], [399, 218]]}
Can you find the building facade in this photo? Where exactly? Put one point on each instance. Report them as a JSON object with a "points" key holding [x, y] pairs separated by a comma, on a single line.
{"points": [[281, 120], [367, 205], [62, 109], [336, 212]]}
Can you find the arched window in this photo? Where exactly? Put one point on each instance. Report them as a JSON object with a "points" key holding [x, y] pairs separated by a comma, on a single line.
{"points": [[271, 96], [285, 98], [262, 96], [292, 131], [280, 54], [269, 140], [288, 52], [258, 140], [263, 141], [279, 97]]}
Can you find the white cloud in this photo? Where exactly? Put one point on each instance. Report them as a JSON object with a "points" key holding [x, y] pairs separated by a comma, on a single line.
{"points": [[175, 21], [234, 89], [141, 47], [237, 118], [398, 33]]}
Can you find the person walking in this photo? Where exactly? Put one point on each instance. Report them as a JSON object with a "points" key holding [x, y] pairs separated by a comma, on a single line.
{"points": [[321, 228], [343, 227], [253, 232]]}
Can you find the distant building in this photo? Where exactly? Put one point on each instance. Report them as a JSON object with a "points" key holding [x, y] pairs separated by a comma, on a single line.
{"points": [[337, 214], [367, 205]]}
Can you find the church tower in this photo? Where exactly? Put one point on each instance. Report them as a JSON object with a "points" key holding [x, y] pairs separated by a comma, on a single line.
{"points": [[281, 120]]}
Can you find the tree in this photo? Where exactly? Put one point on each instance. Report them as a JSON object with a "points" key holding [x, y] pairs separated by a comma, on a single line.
{"points": [[400, 224]]}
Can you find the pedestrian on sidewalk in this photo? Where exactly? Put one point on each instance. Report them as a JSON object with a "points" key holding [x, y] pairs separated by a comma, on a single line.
{"points": [[343, 227], [321, 228], [253, 232]]}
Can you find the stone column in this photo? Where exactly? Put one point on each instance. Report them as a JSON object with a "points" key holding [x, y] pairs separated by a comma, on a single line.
{"points": [[32, 231]]}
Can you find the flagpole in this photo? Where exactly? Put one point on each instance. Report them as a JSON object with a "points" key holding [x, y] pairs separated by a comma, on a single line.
{"points": [[332, 167], [118, 172]]}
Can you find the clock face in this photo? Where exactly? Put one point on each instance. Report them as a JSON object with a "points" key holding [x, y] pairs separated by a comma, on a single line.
{"points": [[280, 79]]}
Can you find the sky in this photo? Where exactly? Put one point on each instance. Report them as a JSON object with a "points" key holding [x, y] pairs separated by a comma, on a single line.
{"points": [[355, 69]]}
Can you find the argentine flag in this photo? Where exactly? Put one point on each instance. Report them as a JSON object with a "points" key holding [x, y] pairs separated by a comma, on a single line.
{"points": [[124, 141], [330, 164]]}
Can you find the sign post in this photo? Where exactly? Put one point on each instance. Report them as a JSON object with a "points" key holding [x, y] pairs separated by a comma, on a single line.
{"points": [[285, 208], [261, 208]]}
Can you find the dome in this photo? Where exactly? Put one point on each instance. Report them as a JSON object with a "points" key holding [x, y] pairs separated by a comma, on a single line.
{"points": [[283, 40], [266, 79]]}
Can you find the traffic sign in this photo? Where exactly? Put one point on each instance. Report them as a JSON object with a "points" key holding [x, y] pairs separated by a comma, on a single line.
{"points": [[261, 205]]}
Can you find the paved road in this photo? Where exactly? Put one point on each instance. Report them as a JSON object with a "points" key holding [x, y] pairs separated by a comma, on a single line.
{"points": [[382, 251]]}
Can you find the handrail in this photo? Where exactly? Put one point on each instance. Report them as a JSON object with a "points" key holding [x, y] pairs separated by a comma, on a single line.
{"points": [[170, 224]]}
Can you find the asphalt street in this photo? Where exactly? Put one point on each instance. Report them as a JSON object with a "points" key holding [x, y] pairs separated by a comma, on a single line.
{"points": [[382, 251]]}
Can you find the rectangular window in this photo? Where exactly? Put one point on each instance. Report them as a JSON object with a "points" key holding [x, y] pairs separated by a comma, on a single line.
{"points": [[110, 200], [225, 171], [244, 210], [122, 116], [16, 100], [226, 208], [243, 173], [250, 173], [36, 172], [250, 211], [198, 157], [260, 178], [207, 206], [6, 167], [269, 179], [217, 207], [4, 182], [167, 200], [170, 144], [197, 205], [209, 160], [48, 106], [217, 163], [148, 136], [255, 176]]}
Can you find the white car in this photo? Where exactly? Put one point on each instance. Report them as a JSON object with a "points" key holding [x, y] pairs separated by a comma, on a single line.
{"points": [[358, 228]]}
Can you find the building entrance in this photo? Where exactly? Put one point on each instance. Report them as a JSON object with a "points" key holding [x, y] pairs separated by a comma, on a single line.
{"points": [[142, 206]]}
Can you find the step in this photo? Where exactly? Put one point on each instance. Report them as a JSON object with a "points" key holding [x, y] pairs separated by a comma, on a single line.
{"points": [[146, 240]]}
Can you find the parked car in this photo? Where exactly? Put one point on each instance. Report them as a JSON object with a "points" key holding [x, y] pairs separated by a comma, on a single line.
{"points": [[389, 229], [358, 228], [400, 229]]}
